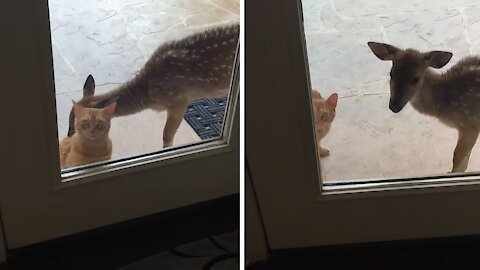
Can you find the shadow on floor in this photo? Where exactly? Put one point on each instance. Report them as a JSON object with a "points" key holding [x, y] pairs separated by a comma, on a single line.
{"points": [[123, 244], [448, 253]]}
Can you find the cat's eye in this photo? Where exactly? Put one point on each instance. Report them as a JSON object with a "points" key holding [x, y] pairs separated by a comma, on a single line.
{"points": [[85, 124], [100, 125]]}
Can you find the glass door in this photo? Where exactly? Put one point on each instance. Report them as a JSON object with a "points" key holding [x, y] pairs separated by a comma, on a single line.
{"points": [[157, 157], [385, 174]]}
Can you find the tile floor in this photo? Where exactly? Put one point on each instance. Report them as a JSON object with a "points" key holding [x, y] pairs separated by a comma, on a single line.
{"points": [[112, 39], [367, 140]]}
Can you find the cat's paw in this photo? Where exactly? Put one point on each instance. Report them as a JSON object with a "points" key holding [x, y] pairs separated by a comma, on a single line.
{"points": [[323, 151]]}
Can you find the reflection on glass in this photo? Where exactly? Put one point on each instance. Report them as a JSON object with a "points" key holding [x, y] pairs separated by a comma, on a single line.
{"points": [[164, 65], [379, 134]]}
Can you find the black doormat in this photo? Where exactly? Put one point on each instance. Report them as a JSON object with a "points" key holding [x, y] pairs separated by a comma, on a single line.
{"points": [[220, 252], [205, 116]]}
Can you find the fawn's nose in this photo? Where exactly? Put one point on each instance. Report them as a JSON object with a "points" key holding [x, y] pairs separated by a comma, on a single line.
{"points": [[395, 108]]}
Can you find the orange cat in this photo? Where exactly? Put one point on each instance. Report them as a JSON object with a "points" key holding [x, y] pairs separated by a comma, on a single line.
{"points": [[324, 113], [91, 143]]}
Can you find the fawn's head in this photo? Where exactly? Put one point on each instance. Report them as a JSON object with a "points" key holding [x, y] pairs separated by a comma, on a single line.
{"points": [[408, 70]]}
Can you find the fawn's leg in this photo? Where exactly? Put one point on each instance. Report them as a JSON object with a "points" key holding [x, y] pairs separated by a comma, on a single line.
{"points": [[466, 141], [174, 118]]}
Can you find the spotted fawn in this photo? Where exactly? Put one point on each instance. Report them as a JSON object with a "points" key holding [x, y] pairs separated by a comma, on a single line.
{"points": [[178, 72], [453, 96]]}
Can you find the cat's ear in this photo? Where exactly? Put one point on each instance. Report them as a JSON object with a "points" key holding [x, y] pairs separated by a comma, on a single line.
{"points": [[89, 86], [110, 109], [77, 108], [333, 99], [316, 94]]}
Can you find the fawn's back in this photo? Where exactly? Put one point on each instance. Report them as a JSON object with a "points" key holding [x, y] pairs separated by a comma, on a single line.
{"points": [[199, 66], [460, 97], [178, 72]]}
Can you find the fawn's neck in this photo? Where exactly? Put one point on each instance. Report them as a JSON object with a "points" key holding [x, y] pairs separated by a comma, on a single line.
{"points": [[131, 97], [427, 99]]}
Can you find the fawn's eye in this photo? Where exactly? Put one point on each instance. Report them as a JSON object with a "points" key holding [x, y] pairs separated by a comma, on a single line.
{"points": [[415, 80], [85, 124]]}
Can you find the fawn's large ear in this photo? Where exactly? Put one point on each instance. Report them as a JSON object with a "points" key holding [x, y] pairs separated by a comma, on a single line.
{"points": [[77, 109], [89, 86], [71, 123], [437, 59], [110, 109], [333, 99], [383, 51]]}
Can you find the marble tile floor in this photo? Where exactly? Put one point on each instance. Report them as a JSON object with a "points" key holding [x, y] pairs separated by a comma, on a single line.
{"points": [[367, 140], [112, 39]]}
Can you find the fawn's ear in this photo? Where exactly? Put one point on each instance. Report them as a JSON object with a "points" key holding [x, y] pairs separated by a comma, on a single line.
{"points": [[383, 51], [437, 59], [77, 108], [333, 99], [110, 109], [89, 86]]}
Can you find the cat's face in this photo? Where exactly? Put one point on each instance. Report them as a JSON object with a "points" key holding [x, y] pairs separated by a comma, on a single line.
{"points": [[93, 124], [324, 110]]}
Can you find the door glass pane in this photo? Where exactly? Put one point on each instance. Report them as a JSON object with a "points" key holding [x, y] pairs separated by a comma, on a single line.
{"points": [[150, 57], [413, 130]]}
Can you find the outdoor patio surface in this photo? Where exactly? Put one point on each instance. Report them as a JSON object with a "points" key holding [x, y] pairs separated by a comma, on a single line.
{"points": [[367, 140], [112, 39]]}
